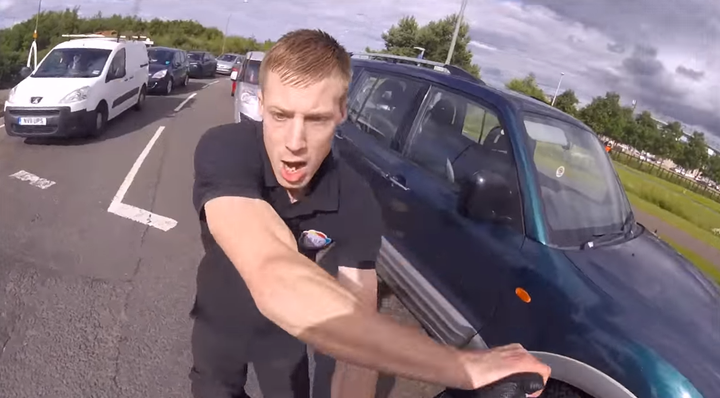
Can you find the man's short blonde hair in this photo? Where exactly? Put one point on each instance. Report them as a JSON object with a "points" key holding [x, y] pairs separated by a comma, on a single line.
{"points": [[304, 57]]}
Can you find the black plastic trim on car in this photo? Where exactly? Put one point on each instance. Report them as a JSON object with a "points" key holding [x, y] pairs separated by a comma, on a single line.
{"points": [[125, 97]]}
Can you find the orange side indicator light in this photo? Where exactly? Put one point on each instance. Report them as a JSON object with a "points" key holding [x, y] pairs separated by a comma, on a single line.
{"points": [[523, 295]]}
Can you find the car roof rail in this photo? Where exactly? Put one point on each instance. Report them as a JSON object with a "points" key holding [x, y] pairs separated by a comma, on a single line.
{"points": [[436, 66], [116, 37]]}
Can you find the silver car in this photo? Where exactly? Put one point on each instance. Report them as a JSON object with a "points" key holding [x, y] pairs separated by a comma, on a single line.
{"points": [[246, 95], [225, 63]]}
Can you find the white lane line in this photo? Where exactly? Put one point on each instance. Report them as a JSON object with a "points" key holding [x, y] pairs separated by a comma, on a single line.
{"points": [[210, 84], [135, 213], [185, 102], [2, 125], [34, 180]]}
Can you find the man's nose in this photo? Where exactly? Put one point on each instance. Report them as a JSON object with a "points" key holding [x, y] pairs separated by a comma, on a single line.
{"points": [[295, 140]]}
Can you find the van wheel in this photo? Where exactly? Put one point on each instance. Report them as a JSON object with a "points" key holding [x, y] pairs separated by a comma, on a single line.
{"points": [[141, 99], [99, 121], [169, 87]]}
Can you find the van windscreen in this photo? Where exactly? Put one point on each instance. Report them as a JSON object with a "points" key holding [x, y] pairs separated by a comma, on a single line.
{"points": [[73, 62]]}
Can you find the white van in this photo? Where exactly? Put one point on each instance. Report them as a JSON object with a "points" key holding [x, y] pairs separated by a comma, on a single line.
{"points": [[77, 88]]}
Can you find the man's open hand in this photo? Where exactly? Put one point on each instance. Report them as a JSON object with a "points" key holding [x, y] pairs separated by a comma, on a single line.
{"points": [[488, 366]]}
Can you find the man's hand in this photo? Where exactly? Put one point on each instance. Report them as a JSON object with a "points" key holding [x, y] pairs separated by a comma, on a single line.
{"points": [[488, 366]]}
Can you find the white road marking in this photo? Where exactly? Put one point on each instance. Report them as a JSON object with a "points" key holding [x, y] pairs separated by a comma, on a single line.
{"points": [[210, 84], [135, 213], [2, 125], [34, 180], [185, 102]]}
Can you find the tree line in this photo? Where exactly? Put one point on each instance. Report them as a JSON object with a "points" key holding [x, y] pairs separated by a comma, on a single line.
{"points": [[607, 116], [188, 35]]}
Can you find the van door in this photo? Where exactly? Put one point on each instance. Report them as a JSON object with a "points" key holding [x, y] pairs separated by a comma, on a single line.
{"points": [[119, 88]]}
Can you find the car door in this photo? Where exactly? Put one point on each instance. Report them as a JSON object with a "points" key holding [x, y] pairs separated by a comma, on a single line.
{"points": [[465, 261], [381, 110], [176, 68], [119, 89]]}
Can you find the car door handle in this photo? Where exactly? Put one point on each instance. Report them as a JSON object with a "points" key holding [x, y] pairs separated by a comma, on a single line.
{"points": [[398, 181]]}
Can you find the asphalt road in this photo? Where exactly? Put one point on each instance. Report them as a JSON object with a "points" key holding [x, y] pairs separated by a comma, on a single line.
{"points": [[93, 301]]}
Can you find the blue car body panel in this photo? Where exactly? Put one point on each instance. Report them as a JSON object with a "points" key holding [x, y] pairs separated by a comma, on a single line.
{"points": [[634, 309]]}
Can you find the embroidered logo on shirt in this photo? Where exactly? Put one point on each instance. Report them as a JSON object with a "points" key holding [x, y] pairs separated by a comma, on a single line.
{"points": [[313, 240]]}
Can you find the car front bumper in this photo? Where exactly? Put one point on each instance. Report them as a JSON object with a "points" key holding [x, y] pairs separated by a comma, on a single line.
{"points": [[158, 85], [58, 121]]}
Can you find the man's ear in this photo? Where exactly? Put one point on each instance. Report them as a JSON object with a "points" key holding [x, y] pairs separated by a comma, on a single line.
{"points": [[343, 109], [261, 105]]}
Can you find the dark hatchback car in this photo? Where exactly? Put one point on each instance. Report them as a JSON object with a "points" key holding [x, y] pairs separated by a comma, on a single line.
{"points": [[202, 64], [169, 67], [507, 223]]}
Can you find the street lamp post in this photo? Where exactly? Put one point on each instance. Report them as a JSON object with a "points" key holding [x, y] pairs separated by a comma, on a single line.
{"points": [[562, 74], [456, 32], [32, 54], [227, 25]]}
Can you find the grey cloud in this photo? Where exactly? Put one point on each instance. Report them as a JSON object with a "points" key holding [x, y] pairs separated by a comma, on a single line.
{"points": [[643, 61], [617, 48], [690, 73]]}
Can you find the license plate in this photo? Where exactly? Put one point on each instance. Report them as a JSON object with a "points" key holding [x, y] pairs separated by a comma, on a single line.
{"points": [[33, 121]]}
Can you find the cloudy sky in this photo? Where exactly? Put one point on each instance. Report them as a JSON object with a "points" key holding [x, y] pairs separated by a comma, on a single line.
{"points": [[662, 53]]}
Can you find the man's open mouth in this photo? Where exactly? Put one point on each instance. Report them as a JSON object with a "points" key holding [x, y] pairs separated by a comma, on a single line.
{"points": [[293, 167]]}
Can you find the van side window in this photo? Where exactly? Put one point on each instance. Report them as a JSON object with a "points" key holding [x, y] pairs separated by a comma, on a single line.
{"points": [[117, 67], [381, 103]]}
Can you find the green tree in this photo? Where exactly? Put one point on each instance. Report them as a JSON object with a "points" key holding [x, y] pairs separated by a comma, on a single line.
{"points": [[434, 37], [567, 102], [712, 169], [694, 154], [668, 144], [527, 86], [606, 116], [642, 133], [188, 35]]}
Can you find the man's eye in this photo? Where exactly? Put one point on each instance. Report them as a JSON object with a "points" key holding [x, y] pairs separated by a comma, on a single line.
{"points": [[279, 117]]}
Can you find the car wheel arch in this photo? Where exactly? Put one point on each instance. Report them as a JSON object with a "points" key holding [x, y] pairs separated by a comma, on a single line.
{"points": [[583, 376]]}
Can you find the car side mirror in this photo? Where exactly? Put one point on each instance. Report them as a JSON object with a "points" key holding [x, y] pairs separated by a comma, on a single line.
{"points": [[486, 197], [25, 72]]}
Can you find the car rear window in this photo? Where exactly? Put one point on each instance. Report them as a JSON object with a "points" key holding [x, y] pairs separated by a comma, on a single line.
{"points": [[251, 72], [227, 58]]}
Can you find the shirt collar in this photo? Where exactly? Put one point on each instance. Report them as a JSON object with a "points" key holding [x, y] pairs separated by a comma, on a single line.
{"points": [[323, 191]]}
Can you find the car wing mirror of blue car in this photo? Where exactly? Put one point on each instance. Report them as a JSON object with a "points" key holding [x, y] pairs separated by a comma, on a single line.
{"points": [[519, 385], [485, 197]]}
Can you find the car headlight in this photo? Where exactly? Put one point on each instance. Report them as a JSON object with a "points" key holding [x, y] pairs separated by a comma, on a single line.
{"points": [[159, 74], [76, 95], [11, 95]]}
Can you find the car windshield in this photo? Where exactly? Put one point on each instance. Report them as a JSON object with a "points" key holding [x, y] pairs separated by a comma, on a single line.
{"points": [[160, 57], [227, 58], [251, 72], [73, 62], [580, 191], [195, 56]]}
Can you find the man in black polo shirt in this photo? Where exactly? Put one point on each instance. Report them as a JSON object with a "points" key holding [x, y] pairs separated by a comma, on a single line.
{"points": [[291, 235]]}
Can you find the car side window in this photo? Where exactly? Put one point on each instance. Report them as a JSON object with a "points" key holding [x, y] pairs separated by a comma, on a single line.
{"points": [[381, 103], [456, 135], [117, 66]]}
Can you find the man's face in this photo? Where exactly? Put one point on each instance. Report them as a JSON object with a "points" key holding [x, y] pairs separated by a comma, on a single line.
{"points": [[299, 125]]}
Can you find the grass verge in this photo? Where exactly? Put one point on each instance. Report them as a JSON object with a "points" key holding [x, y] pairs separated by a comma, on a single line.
{"points": [[702, 264], [677, 222]]}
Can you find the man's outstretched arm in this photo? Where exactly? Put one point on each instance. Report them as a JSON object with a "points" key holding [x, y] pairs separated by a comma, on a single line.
{"points": [[308, 303]]}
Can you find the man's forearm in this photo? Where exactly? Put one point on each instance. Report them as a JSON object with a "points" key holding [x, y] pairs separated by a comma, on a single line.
{"points": [[311, 305], [308, 303]]}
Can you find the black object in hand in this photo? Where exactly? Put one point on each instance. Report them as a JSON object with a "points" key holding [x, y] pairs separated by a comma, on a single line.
{"points": [[519, 385]]}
